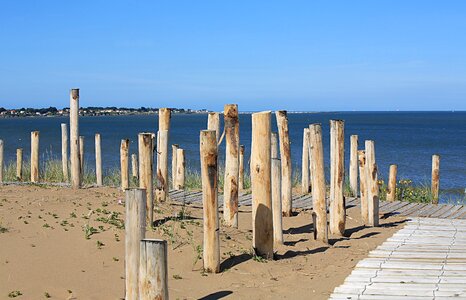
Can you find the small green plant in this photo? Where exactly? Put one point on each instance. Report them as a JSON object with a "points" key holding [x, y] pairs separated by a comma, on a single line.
{"points": [[3, 229], [73, 215], [47, 295], [46, 225], [177, 277], [100, 245], [89, 231], [14, 294], [115, 259], [259, 258]]}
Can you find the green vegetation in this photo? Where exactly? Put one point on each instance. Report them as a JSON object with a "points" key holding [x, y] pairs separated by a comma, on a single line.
{"points": [[14, 294]]}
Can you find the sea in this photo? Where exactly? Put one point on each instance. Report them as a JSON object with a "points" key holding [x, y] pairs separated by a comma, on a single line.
{"points": [[407, 139]]}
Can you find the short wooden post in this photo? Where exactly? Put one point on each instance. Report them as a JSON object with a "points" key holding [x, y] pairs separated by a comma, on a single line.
{"points": [[262, 219], [318, 183], [135, 231], [74, 139], [134, 166], [174, 164], [180, 169], [64, 151], [98, 160], [213, 123], [285, 158], [305, 186], [162, 165], [337, 175], [353, 173], [81, 157], [230, 188], [35, 156], [1, 161], [153, 270], [124, 163], [435, 177], [19, 164], [391, 192], [372, 185], [363, 186], [209, 176], [241, 168], [276, 192], [145, 149]]}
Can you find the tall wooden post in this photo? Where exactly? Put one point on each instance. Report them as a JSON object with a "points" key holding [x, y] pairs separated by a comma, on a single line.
{"points": [[305, 185], [64, 151], [262, 219], [285, 157], [318, 183], [35, 156], [145, 149], [391, 192], [124, 163], [174, 164], [213, 123], [81, 157], [134, 166], [230, 189], [337, 175], [435, 177], [372, 185], [209, 176], [353, 173], [180, 169], [241, 168], [363, 186], [98, 160], [135, 231], [74, 139], [162, 165], [1, 161], [153, 270], [19, 164], [276, 192]]}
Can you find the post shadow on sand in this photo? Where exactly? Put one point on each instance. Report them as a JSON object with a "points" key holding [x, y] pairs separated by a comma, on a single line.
{"points": [[234, 261], [162, 221], [216, 295], [291, 253]]}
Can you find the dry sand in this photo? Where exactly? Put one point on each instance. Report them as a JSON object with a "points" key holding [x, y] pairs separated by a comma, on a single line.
{"points": [[44, 250]]}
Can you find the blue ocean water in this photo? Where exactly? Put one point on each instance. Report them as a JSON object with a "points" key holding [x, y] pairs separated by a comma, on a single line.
{"points": [[407, 139]]}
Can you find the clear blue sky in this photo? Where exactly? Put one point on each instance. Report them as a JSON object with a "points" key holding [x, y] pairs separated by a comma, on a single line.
{"points": [[295, 55]]}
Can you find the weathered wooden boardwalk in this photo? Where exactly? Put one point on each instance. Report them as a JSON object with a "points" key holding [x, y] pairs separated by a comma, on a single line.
{"points": [[424, 260]]}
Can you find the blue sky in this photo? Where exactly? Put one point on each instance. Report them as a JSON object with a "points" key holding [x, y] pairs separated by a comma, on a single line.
{"points": [[295, 55]]}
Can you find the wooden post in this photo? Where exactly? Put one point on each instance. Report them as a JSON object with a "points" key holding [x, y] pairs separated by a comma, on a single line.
{"points": [[305, 163], [98, 160], [276, 192], [230, 189], [64, 151], [1, 161], [124, 163], [74, 139], [318, 183], [435, 177], [35, 156], [262, 219], [213, 123], [209, 176], [162, 165], [337, 175], [391, 192], [153, 270], [363, 186], [285, 157], [241, 168], [174, 164], [145, 149], [164, 118], [179, 184], [19, 164], [353, 173], [81, 157], [135, 231], [372, 185], [134, 166]]}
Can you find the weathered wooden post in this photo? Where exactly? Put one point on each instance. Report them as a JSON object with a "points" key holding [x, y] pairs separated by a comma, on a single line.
{"points": [[135, 231], [435, 177], [35, 156], [318, 183], [213, 123], [262, 219], [124, 163], [363, 186], [241, 168], [153, 270], [145, 149], [276, 192], [391, 192], [209, 176], [64, 151], [337, 175], [285, 157], [81, 157], [162, 165], [305, 186], [19, 164], [174, 164], [180, 172], [134, 166], [74, 139], [230, 189], [353, 173], [372, 185], [98, 160], [1, 161]]}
